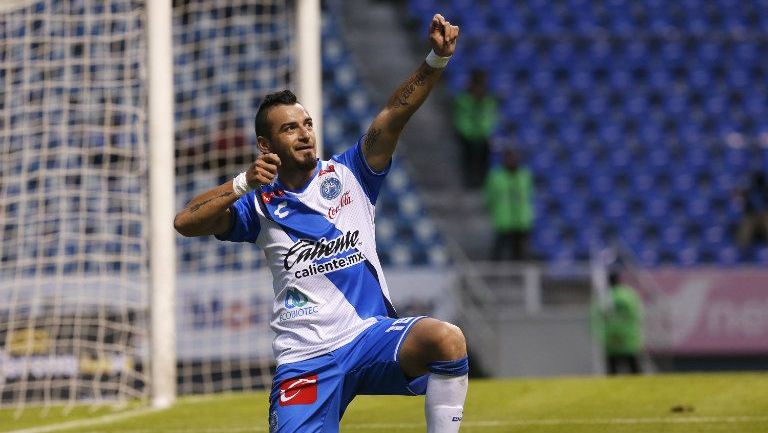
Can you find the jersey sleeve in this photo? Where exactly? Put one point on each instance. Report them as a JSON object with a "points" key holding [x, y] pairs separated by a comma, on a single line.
{"points": [[370, 180], [245, 220]]}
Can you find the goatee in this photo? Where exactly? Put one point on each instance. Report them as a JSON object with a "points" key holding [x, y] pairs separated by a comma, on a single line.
{"points": [[307, 163]]}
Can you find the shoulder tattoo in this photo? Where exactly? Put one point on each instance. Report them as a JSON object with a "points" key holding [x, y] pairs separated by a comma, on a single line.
{"points": [[371, 138]]}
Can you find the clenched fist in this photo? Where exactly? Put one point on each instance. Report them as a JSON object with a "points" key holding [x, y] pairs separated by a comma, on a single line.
{"points": [[263, 171], [443, 36]]}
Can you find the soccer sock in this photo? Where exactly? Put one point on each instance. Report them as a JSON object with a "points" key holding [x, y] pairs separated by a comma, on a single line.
{"points": [[446, 391]]}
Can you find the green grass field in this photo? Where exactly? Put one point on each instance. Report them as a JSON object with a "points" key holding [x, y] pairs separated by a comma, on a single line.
{"points": [[734, 403]]}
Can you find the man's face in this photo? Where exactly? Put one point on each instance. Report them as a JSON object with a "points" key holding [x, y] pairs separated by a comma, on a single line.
{"points": [[292, 136]]}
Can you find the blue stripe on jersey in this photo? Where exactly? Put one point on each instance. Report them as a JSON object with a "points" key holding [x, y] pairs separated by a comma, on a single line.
{"points": [[364, 297], [370, 180], [359, 285], [298, 219], [391, 312], [245, 220]]}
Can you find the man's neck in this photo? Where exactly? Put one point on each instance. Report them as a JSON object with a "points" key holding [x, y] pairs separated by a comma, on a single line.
{"points": [[295, 179]]}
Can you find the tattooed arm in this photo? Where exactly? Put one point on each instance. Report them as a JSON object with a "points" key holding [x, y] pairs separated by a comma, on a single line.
{"points": [[209, 214], [382, 136]]}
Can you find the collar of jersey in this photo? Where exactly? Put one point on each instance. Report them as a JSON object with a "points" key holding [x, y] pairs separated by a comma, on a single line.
{"points": [[279, 184]]}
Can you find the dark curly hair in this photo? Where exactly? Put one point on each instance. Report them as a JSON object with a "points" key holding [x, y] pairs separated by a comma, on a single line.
{"points": [[283, 97]]}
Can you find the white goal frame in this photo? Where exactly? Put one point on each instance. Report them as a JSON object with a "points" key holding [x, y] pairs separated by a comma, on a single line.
{"points": [[162, 166], [162, 245]]}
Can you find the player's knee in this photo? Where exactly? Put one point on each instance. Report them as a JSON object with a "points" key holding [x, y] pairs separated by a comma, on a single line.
{"points": [[449, 342]]}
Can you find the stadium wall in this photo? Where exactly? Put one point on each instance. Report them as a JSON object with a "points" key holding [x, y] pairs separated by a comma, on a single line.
{"points": [[548, 344], [705, 310], [207, 305]]}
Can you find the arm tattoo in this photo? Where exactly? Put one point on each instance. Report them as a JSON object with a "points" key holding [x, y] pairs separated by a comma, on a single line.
{"points": [[196, 207], [370, 139], [408, 88]]}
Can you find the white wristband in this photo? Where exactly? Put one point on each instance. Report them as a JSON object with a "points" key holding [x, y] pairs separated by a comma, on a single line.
{"points": [[240, 185], [436, 61]]}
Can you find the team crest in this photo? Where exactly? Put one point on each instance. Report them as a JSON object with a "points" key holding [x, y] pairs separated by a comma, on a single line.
{"points": [[330, 188]]}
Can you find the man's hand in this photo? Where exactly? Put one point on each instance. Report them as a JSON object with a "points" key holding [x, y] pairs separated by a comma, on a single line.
{"points": [[443, 36], [263, 171]]}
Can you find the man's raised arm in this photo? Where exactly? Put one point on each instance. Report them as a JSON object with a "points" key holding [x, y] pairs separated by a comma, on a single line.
{"points": [[382, 135], [209, 214]]}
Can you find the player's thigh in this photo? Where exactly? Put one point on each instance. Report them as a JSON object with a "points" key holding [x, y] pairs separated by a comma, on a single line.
{"points": [[373, 364], [306, 397]]}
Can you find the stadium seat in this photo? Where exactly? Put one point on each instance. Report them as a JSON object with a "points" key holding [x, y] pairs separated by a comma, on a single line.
{"points": [[660, 124]]}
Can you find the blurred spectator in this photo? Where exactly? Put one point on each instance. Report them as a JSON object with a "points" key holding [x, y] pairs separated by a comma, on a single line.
{"points": [[474, 117], [509, 197], [755, 204], [193, 148], [230, 147], [619, 326]]}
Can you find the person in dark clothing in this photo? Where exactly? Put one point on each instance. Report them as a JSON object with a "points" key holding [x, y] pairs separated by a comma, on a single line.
{"points": [[754, 200]]}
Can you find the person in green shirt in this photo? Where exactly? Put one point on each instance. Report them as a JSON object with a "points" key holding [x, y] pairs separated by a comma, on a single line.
{"points": [[509, 198], [474, 117], [619, 326]]}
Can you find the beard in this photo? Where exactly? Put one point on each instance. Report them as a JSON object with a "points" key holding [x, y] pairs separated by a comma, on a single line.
{"points": [[307, 161]]}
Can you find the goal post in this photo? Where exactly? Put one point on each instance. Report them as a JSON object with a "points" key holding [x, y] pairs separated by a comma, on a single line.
{"points": [[309, 64], [162, 186], [114, 114]]}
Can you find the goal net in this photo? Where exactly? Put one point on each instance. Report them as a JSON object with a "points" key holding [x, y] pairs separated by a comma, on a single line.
{"points": [[74, 265]]}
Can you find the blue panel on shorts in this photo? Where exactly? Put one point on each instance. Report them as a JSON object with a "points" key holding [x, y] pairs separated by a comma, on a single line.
{"points": [[367, 365]]}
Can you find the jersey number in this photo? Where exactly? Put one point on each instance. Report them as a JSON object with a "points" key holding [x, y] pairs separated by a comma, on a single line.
{"points": [[400, 324]]}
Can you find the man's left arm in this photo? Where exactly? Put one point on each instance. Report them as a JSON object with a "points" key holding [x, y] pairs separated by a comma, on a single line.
{"points": [[381, 138]]}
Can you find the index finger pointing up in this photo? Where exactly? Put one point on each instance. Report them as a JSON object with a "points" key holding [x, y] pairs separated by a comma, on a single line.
{"points": [[438, 21]]}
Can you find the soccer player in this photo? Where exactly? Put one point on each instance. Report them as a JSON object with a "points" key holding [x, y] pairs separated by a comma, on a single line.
{"points": [[337, 333]]}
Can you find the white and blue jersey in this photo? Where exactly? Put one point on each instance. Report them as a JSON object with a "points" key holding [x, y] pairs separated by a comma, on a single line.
{"points": [[320, 245]]}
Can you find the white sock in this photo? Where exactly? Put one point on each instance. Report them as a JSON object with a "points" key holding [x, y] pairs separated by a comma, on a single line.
{"points": [[444, 405]]}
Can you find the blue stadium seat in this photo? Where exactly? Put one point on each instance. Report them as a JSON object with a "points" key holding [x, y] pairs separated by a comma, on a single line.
{"points": [[661, 125]]}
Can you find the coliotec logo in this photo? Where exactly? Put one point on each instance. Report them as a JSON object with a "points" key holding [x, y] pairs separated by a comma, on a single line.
{"points": [[295, 299], [297, 305]]}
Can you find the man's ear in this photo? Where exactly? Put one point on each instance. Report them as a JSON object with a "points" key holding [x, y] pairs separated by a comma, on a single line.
{"points": [[264, 145]]}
